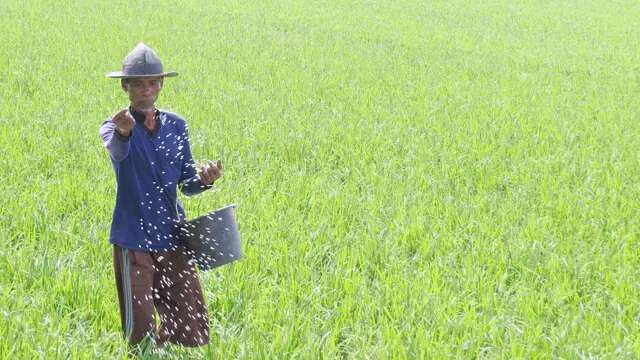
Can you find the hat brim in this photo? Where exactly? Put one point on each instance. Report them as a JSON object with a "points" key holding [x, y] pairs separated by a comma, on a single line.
{"points": [[120, 75]]}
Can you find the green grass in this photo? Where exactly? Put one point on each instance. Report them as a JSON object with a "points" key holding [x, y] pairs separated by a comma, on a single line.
{"points": [[413, 179]]}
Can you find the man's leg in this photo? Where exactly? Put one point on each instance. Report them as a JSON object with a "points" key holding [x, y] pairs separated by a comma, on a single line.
{"points": [[134, 280], [183, 312]]}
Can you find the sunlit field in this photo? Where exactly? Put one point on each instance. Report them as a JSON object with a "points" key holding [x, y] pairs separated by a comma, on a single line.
{"points": [[413, 179]]}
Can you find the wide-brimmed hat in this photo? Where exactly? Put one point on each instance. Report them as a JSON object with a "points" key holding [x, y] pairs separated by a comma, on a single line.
{"points": [[142, 61]]}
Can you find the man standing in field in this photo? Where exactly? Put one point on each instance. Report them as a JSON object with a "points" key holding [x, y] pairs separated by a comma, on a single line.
{"points": [[150, 152]]}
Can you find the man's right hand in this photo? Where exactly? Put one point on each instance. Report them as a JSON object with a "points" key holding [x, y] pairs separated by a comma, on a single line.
{"points": [[124, 122]]}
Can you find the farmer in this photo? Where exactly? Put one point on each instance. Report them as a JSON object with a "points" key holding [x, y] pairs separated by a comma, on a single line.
{"points": [[150, 153]]}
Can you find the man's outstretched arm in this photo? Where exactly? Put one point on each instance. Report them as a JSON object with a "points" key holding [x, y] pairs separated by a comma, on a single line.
{"points": [[116, 133]]}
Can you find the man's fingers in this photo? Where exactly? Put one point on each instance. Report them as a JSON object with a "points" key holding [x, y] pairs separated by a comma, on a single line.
{"points": [[203, 172], [123, 120], [129, 116], [217, 170], [209, 172], [204, 179], [120, 113]]}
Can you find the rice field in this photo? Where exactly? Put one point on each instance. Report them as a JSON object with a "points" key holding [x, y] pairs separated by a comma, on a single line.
{"points": [[413, 179]]}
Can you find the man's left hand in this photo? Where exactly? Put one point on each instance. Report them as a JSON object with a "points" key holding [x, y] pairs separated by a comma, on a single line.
{"points": [[209, 172]]}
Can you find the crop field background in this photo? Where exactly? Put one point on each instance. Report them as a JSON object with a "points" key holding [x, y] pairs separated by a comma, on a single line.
{"points": [[413, 179]]}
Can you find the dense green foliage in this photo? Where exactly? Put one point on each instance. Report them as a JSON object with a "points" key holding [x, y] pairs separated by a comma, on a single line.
{"points": [[413, 179]]}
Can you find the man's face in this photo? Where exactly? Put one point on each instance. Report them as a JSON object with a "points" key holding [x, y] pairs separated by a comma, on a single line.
{"points": [[143, 91]]}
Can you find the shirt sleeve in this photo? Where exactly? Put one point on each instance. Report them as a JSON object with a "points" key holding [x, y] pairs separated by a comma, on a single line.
{"points": [[189, 182], [116, 144]]}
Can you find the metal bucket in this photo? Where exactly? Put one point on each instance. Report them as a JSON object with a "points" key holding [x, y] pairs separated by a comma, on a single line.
{"points": [[213, 239]]}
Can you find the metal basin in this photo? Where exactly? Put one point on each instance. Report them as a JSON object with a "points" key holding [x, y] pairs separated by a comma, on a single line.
{"points": [[213, 239]]}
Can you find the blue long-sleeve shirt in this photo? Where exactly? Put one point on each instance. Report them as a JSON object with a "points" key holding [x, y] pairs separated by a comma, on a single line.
{"points": [[150, 166]]}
